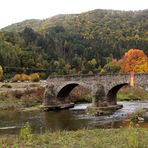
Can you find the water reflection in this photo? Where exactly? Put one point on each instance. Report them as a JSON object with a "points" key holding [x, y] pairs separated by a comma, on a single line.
{"points": [[11, 122]]}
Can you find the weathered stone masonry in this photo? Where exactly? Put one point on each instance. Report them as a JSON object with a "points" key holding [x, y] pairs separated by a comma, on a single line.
{"points": [[103, 88]]}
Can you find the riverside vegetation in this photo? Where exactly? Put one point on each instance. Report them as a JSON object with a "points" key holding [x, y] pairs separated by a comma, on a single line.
{"points": [[21, 96], [104, 138], [132, 94]]}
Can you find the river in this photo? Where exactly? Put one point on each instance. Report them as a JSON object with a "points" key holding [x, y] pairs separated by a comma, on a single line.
{"points": [[73, 119]]}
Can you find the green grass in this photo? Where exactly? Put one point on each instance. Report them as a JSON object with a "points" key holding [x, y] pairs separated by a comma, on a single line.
{"points": [[96, 138], [129, 94]]}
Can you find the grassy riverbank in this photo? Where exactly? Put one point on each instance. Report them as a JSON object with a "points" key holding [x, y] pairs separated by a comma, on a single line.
{"points": [[103, 138], [131, 94], [14, 104], [21, 96]]}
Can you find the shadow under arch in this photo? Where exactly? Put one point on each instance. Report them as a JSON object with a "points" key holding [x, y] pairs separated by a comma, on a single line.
{"points": [[64, 92], [112, 94]]}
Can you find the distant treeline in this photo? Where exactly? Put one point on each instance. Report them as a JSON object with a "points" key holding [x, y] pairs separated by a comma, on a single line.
{"points": [[71, 44]]}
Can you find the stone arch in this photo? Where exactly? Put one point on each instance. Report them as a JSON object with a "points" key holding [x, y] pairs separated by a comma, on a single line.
{"points": [[64, 92], [112, 93], [64, 89]]}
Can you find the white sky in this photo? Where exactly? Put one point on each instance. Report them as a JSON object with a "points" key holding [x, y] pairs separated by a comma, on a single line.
{"points": [[12, 11]]}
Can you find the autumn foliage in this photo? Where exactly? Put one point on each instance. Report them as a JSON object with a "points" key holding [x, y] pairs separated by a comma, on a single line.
{"points": [[24, 77], [34, 77], [134, 60], [1, 72]]}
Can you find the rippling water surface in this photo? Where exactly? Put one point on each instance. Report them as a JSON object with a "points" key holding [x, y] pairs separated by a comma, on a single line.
{"points": [[73, 119]]}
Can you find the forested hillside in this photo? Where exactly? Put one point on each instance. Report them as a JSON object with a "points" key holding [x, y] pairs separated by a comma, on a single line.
{"points": [[68, 44]]}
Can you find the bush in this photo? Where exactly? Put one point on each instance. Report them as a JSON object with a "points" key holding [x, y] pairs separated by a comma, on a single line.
{"points": [[88, 98], [16, 78], [29, 101], [102, 72], [134, 117], [24, 77], [21, 77], [1, 72], [44, 75], [35, 77], [26, 133]]}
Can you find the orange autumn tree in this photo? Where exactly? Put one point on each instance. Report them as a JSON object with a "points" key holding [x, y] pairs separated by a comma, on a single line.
{"points": [[135, 60]]}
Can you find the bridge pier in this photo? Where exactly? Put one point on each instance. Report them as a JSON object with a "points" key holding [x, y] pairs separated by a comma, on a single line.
{"points": [[98, 96], [101, 99], [50, 96]]}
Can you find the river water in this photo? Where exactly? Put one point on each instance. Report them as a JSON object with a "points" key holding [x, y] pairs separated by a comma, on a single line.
{"points": [[73, 119]]}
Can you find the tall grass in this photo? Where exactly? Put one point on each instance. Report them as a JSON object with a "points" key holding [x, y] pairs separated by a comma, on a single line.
{"points": [[96, 138]]}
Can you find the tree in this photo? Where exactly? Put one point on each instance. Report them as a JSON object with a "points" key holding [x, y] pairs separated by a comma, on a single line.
{"points": [[35, 77], [91, 64], [85, 41], [16, 78], [134, 60], [67, 68], [1, 72], [29, 35], [112, 67]]}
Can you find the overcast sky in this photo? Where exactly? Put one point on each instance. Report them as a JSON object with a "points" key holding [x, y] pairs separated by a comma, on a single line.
{"points": [[12, 11]]}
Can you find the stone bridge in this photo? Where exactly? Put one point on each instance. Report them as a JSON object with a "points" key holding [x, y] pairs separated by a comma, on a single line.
{"points": [[103, 88]]}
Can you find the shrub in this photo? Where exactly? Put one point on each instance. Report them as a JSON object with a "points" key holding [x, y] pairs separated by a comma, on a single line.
{"points": [[29, 101], [35, 77], [134, 117], [88, 98], [1, 72], [44, 75], [21, 77], [102, 72], [26, 133], [16, 78], [25, 77]]}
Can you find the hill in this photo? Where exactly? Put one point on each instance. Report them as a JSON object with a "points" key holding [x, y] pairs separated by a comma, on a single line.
{"points": [[66, 44]]}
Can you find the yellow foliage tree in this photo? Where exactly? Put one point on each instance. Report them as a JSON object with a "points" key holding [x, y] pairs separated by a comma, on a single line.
{"points": [[21, 77], [93, 62], [16, 78], [35, 77], [135, 60], [1, 72], [67, 68], [25, 77]]}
